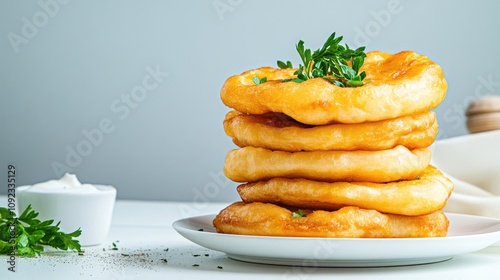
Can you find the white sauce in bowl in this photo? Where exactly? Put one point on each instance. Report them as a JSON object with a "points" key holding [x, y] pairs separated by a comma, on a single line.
{"points": [[67, 183]]}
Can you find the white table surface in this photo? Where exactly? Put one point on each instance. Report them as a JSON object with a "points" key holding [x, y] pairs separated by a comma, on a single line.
{"points": [[149, 248]]}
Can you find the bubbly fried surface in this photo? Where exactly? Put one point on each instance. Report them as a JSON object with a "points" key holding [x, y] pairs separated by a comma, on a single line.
{"points": [[396, 85], [348, 222], [276, 131], [424, 195], [251, 164]]}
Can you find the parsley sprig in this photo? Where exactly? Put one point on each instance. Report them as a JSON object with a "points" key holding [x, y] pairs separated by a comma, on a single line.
{"points": [[299, 214], [30, 234], [336, 63]]}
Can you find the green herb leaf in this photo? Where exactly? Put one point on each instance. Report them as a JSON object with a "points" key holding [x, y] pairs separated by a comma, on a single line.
{"points": [[32, 234], [259, 81], [114, 246], [298, 214], [331, 62], [6, 213], [284, 65]]}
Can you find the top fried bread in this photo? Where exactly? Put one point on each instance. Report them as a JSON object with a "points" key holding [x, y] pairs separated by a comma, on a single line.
{"points": [[397, 85]]}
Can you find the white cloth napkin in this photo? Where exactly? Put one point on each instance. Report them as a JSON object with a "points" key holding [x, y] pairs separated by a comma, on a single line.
{"points": [[472, 163], [474, 200]]}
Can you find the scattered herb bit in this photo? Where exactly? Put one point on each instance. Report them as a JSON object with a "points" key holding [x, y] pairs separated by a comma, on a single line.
{"points": [[166, 250], [258, 80], [196, 255], [206, 255], [81, 252], [338, 64], [200, 229], [125, 255], [417, 178], [299, 214], [219, 267], [195, 264], [114, 246], [164, 260], [31, 234]]}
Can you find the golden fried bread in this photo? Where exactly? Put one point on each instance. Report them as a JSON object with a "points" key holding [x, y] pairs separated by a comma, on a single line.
{"points": [[276, 131], [348, 222], [251, 164], [396, 85], [426, 194]]}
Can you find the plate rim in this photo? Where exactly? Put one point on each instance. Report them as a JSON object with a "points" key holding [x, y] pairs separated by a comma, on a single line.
{"points": [[176, 223], [194, 235]]}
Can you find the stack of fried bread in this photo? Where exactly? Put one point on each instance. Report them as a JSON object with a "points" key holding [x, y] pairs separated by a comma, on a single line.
{"points": [[319, 160]]}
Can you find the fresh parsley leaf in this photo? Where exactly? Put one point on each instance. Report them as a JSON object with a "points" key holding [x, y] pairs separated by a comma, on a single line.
{"points": [[336, 63], [284, 65], [30, 234], [298, 214], [259, 81]]}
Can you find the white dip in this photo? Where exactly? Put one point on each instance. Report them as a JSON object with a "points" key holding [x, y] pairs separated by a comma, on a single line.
{"points": [[68, 183]]}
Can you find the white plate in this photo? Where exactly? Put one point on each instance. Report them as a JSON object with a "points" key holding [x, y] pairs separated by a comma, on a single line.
{"points": [[466, 234]]}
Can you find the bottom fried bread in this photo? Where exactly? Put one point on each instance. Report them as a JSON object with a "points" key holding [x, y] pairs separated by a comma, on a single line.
{"points": [[267, 219], [251, 164], [423, 195]]}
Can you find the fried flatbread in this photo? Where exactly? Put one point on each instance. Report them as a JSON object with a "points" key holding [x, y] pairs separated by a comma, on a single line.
{"points": [[396, 85], [251, 164], [276, 131], [348, 222], [426, 194]]}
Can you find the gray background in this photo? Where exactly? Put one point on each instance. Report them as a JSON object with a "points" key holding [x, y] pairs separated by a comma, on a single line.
{"points": [[71, 73]]}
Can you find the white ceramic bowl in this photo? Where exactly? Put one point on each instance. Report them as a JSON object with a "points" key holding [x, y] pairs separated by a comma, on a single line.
{"points": [[92, 212], [472, 162]]}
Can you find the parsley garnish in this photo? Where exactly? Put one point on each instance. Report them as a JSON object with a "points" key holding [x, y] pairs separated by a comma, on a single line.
{"points": [[32, 234], [338, 64], [298, 214], [258, 80]]}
